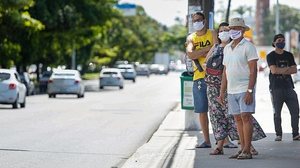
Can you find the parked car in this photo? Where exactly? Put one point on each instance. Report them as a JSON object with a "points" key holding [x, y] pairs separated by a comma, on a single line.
{"points": [[65, 82], [25, 78], [296, 76], [12, 90], [43, 82], [143, 70], [158, 69], [111, 77], [128, 72]]}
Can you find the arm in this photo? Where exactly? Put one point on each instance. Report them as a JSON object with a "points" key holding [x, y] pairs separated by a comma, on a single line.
{"points": [[253, 73], [221, 98], [209, 54], [195, 54], [252, 80], [215, 37]]}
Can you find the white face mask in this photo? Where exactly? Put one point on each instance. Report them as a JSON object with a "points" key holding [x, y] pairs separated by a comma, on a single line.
{"points": [[198, 26], [235, 34], [224, 36]]}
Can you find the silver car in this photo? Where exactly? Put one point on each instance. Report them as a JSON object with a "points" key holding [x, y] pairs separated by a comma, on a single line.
{"points": [[65, 82], [128, 71], [12, 90], [111, 77]]}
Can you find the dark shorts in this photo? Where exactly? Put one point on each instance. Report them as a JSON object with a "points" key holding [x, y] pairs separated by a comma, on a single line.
{"points": [[200, 97]]}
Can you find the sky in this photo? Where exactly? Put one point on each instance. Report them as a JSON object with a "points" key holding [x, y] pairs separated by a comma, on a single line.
{"points": [[165, 11]]}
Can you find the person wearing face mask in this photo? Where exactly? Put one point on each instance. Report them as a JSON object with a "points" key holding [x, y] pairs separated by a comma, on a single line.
{"points": [[198, 45], [222, 123], [238, 83], [282, 65]]}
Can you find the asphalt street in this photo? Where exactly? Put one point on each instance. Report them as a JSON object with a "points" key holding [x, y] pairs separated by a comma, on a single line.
{"points": [[103, 129]]}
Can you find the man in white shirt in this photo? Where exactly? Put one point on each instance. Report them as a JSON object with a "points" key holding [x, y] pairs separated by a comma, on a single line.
{"points": [[239, 78]]}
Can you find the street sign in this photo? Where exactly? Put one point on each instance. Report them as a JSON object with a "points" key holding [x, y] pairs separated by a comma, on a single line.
{"points": [[127, 9]]}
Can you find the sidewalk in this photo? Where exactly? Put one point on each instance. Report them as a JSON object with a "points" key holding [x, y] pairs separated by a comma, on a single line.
{"points": [[173, 147]]}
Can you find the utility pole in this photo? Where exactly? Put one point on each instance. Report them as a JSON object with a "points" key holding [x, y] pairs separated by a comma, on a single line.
{"points": [[277, 18]]}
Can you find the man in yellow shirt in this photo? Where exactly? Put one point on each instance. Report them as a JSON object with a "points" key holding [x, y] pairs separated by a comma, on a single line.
{"points": [[198, 45]]}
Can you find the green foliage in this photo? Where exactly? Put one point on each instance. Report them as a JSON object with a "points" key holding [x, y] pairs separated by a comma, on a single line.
{"points": [[289, 19], [49, 31]]}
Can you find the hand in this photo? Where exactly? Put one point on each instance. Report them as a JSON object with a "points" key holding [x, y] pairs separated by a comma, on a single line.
{"points": [[248, 99], [221, 99]]}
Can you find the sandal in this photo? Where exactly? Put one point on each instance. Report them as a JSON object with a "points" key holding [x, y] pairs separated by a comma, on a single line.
{"points": [[234, 156], [253, 151], [245, 155], [217, 151], [230, 145], [296, 138]]}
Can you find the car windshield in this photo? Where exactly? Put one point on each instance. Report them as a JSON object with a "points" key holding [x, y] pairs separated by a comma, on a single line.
{"points": [[110, 73], [4, 76]]}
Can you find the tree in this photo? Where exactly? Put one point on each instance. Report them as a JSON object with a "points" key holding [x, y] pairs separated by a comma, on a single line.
{"points": [[16, 24], [289, 19]]}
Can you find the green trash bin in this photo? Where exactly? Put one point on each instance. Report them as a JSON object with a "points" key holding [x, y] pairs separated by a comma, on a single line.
{"points": [[186, 82]]}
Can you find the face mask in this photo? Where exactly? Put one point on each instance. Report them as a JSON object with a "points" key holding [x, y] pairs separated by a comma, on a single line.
{"points": [[198, 25], [280, 45], [224, 36], [235, 34]]}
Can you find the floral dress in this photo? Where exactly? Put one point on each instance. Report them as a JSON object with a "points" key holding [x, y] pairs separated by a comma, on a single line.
{"points": [[222, 123]]}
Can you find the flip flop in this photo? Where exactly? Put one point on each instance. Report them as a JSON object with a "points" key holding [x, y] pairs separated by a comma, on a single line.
{"points": [[203, 145]]}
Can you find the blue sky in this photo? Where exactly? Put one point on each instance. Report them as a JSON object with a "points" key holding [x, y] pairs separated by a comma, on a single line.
{"points": [[165, 11]]}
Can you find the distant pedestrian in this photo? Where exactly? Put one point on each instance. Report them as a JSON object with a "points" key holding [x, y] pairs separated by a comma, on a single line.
{"points": [[222, 123], [239, 80], [198, 45], [282, 65]]}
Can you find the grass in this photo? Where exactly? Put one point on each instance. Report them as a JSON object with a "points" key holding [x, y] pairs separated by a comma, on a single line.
{"points": [[90, 76]]}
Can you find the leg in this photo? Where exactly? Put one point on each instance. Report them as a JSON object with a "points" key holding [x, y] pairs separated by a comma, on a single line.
{"points": [[204, 126], [247, 130], [239, 124], [277, 101], [293, 106]]}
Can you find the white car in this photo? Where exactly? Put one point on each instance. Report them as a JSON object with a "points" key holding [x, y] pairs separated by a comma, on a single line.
{"points": [[128, 71], [65, 82], [111, 77], [12, 90]]}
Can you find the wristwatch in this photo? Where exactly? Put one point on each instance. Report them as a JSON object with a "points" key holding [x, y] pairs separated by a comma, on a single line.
{"points": [[250, 90]]}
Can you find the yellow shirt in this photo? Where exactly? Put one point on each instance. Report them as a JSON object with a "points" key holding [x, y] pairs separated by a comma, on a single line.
{"points": [[200, 42]]}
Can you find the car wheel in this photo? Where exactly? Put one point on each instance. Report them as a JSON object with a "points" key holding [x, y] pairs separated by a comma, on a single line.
{"points": [[133, 80], [121, 87], [54, 95], [50, 95], [15, 104], [101, 87], [23, 104]]}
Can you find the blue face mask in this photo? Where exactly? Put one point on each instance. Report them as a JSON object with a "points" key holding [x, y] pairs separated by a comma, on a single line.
{"points": [[280, 45]]}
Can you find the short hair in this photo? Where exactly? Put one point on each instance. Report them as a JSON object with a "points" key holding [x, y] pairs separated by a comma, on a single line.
{"points": [[198, 13], [277, 36]]}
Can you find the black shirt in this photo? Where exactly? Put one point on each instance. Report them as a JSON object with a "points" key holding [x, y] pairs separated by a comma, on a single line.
{"points": [[279, 81]]}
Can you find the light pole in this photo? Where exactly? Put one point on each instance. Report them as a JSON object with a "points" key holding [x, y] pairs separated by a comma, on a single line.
{"points": [[277, 18]]}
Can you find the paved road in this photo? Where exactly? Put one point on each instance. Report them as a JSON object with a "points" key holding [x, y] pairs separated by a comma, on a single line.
{"points": [[101, 130]]}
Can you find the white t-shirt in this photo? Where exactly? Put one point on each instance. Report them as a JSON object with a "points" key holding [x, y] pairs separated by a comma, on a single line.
{"points": [[236, 62]]}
